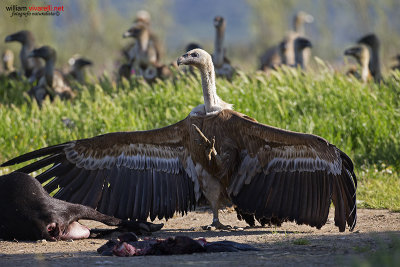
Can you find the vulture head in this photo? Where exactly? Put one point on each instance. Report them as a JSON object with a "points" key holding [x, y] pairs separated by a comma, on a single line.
{"points": [[301, 43], [359, 52], [371, 40], [45, 52], [144, 16], [299, 19], [79, 63], [219, 22], [22, 37], [196, 57], [136, 30]]}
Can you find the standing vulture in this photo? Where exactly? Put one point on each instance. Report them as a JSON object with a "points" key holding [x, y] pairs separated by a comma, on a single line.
{"points": [[78, 65], [31, 66], [361, 53], [300, 44], [52, 82], [397, 59], [8, 64], [372, 41], [268, 173], [285, 52], [222, 64]]}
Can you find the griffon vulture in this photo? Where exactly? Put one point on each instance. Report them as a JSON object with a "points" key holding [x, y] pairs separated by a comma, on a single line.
{"points": [[269, 174], [31, 66]]}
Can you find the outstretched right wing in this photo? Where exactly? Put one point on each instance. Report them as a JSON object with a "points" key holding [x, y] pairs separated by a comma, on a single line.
{"points": [[126, 174]]}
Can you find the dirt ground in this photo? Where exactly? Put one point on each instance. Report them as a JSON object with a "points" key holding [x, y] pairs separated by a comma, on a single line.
{"points": [[290, 244]]}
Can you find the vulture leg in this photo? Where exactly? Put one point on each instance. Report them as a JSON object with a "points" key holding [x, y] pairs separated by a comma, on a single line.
{"points": [[210, 182], [212, 189]]}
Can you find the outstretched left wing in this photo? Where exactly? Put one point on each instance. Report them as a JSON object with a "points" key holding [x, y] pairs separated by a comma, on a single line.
{"points": [[284, 175]]}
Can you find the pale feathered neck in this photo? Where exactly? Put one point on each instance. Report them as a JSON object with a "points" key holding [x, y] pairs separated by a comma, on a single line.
{"points": [[212, 102], [144, 39]]}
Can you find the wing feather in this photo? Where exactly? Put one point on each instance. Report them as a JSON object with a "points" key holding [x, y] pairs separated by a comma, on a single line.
{"points": [[93, 195], [163, 195], [147, 197], [64, 180], [296, 197], [131, 199], [289, 197], [156, 198], [79, 194]]}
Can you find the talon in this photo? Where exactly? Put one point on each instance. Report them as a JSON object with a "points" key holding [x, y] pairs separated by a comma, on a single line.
{"points": [[145, 227], [216, 225], [156, 227]]}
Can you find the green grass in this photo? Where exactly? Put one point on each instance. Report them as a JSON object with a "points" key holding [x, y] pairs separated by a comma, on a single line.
{"points": [[362, 120]]}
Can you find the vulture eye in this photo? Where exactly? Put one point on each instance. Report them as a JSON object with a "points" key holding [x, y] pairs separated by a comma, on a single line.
{"points": [[195, 54]]}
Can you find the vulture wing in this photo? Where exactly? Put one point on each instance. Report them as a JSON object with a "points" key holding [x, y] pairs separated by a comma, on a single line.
{"points": [[284, 175], [124, 174]]}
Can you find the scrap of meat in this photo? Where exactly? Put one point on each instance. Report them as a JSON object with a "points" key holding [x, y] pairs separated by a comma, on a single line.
{"points": [[129, 245]]}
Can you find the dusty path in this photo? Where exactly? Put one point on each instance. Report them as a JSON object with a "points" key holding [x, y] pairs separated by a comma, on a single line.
{"points": [[288, 245]]}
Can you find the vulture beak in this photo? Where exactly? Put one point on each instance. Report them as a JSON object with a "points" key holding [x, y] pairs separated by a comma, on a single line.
{"points": [[8, 39], [308, 18], [86, 62], [127, 34], [32, 54], [179, 61], [349, 52]]}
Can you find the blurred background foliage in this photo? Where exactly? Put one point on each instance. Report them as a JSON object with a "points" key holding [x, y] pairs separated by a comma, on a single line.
{"points": [[94, 28]]}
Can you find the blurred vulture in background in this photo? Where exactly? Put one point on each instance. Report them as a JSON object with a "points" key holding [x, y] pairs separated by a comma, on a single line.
{"points": [[269, 174], [361, 54], [8, 64], [300, 47], [397, 65], [78, 66], [30, 66], [52, 82], [372, 42], [222, 64], [145, 55], [285, 53]]}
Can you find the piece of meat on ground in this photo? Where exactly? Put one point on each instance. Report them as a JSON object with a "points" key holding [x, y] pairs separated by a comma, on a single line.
{"points": [[129, 245]]}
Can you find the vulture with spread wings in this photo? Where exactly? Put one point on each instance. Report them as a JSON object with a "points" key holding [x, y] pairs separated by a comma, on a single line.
{"points": [[269, 174]]}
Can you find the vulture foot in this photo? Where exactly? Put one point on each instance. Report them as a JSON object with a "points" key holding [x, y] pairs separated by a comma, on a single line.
{"points": [[217, 226], [137, 227]]}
